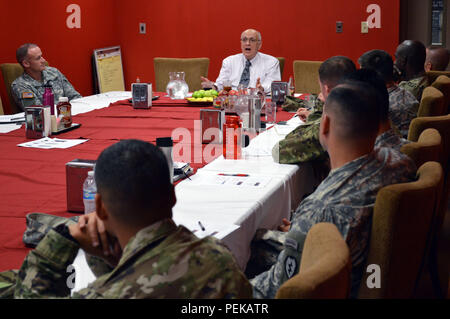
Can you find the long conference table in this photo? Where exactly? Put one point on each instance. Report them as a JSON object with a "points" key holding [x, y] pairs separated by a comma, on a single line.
{"points": [[228, 207]]}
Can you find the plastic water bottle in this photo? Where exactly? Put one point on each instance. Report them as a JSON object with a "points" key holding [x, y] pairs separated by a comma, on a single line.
{"points": [[89, 191]]}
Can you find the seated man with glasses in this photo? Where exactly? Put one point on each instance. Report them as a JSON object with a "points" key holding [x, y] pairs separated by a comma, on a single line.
{"points": [[250, 68]]}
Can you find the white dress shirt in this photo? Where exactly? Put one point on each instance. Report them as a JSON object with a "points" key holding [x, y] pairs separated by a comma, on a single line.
{"points": [[263, 66]]}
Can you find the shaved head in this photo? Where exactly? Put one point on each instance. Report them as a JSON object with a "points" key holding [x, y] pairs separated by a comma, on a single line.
{"points": [[437, 59], [353, 109], [410, 58]]}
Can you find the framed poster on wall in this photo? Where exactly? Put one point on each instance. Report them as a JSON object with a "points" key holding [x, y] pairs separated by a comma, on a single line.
{"points": [[108, 69]]}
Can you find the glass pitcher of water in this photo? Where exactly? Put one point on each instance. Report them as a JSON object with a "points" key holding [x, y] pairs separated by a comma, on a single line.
{"points": [[177, 87]]}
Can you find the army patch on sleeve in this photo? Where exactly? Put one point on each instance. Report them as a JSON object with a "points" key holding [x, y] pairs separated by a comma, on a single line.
{"points": [[27, 95], [290, 266]]}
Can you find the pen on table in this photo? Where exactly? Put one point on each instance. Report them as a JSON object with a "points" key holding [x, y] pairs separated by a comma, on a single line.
{"points": [[201, 226], [240, 175], [17, 118]]}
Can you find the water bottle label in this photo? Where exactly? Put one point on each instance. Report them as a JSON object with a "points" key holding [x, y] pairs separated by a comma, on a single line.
{"points": [[88, 195]]}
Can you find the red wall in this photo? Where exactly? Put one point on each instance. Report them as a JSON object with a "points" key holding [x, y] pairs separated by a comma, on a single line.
{"points": [[292, 29], [44, 23]]}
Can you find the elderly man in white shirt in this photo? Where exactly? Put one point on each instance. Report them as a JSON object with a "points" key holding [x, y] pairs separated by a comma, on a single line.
{"points": [[249, 68]]}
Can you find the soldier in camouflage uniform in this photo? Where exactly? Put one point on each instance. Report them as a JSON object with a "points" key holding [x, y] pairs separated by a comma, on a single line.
{"points": [[29, 88], [153, 258], [415, 86], [347, 196], [267, 244], [302, 144], [409, 63], [390, 139], [403, 106]]}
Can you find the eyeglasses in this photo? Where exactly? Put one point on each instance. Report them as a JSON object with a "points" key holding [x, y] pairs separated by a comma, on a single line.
{"points": [[251, 40]]}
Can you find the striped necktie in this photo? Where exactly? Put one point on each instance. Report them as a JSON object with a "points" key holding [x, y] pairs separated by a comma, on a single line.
{"points": [[245, 77]]}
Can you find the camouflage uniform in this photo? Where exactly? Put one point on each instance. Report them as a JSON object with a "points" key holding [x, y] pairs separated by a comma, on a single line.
{"points": [[39, 224], [292, 103], [390, 139], [160, 261], [302, 144], [345, 198], [403, 108], [27, 91], [415, 86]]}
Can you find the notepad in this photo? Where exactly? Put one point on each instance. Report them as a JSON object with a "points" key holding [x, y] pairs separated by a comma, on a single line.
{"points": [[10, 119]]}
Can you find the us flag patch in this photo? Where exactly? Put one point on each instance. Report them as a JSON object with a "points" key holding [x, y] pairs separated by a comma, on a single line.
{"points": [[27, 95]]}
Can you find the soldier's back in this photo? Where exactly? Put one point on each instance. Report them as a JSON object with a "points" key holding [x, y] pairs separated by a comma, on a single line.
{"points": [[178, 266]]}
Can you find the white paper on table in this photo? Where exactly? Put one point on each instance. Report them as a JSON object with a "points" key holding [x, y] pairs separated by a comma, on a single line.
{"points": [[6, 128], [233, 181], [210, 228], [19, 117], [51, 143], [83, 274], [284, 129], [295, 121]]}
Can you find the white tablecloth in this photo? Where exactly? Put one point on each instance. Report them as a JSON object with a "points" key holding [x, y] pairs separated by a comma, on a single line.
{"points": [[82, 105], [230, 213], [248, 207]]}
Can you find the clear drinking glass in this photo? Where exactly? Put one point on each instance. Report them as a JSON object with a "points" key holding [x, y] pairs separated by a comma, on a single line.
{"points": [[241, 108], [271, 113], [227, 85]]}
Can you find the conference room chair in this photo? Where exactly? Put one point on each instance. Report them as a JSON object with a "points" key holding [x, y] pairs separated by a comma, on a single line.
{"points": [[325, 267], [427, 148], [306, 76], [401, 229], [442, 83], [433, 75], [432, 103], [10, 72], [281, 60], [441, 124], [192, 67]]}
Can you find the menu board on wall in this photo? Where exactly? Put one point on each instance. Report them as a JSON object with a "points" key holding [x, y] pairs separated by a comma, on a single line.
{"points": [[109, 71]]}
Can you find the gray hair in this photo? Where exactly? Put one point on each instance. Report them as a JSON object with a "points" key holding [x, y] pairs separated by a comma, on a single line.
{"points": [[22, 51]]}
